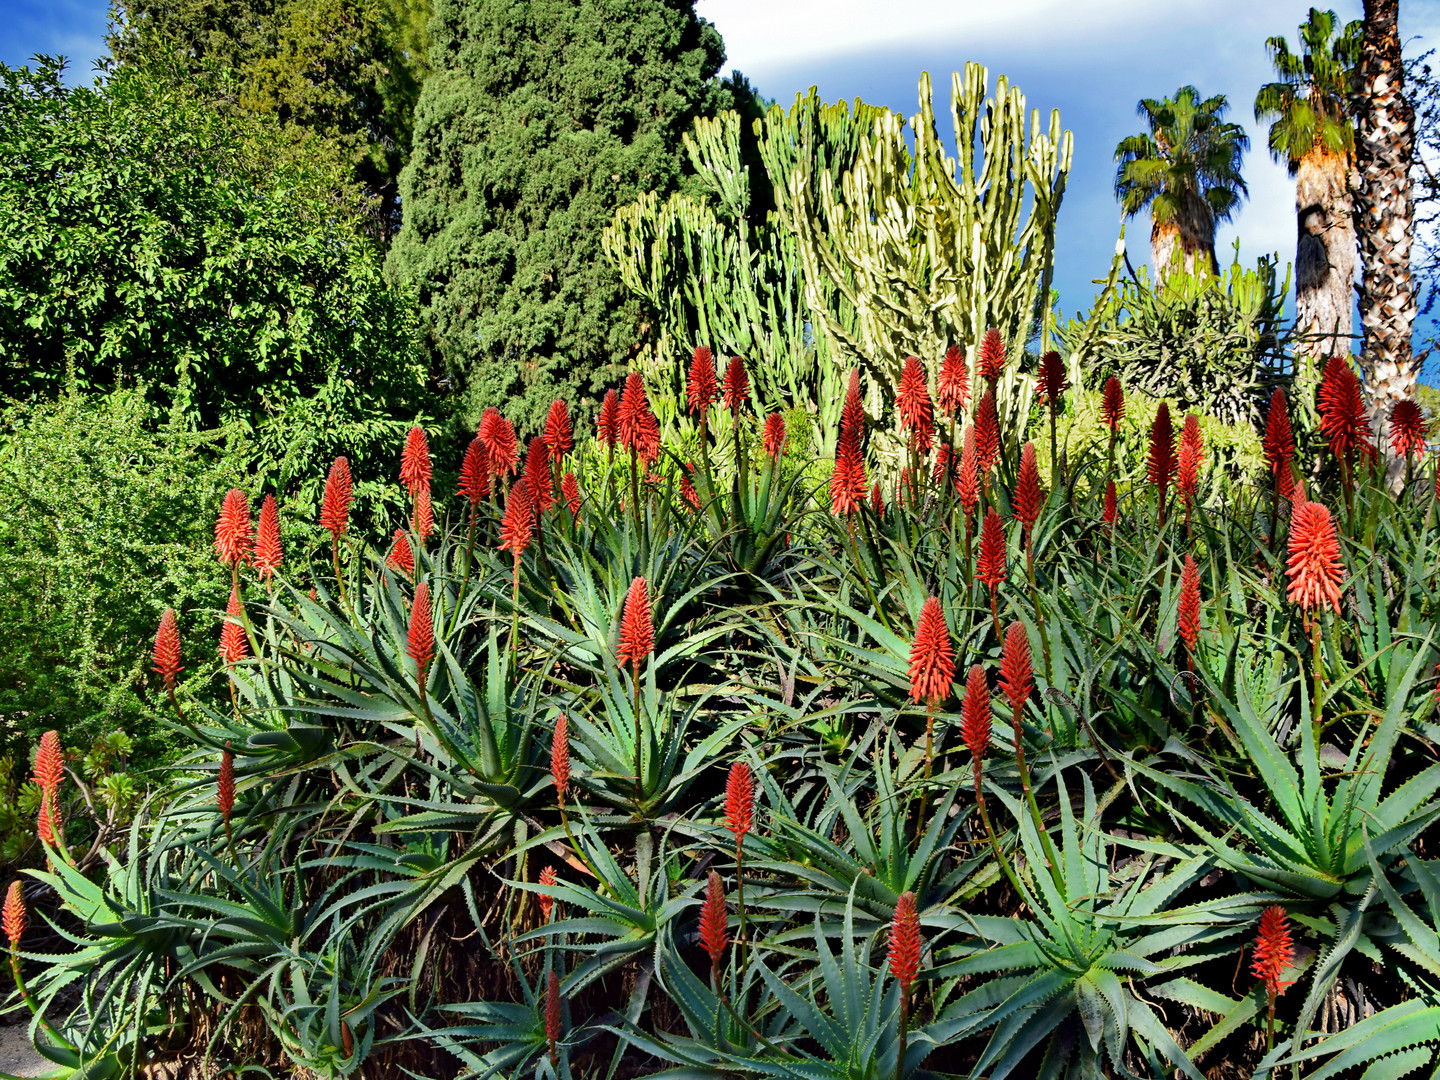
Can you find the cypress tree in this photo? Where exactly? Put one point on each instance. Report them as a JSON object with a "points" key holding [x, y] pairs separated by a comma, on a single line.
{"points": [[539, 119]]}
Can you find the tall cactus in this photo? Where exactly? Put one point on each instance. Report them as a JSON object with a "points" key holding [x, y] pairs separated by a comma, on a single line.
{"points": [[927, 251], [709, 278]]}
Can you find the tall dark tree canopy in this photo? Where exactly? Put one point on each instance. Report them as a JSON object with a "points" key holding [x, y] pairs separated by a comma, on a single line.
{"points": [[539, 119]]}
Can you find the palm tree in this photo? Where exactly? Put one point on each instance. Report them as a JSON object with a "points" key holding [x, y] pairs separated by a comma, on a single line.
{"points": [[1186, 169], [1312, 132], [1385, 212]]}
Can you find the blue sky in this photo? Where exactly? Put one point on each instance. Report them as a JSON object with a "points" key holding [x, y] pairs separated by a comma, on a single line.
{"points": [[1091, 59]]}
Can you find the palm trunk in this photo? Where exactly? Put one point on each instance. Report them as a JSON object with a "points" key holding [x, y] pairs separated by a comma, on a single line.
{"points": [[1324, 263], [1385, 212]]}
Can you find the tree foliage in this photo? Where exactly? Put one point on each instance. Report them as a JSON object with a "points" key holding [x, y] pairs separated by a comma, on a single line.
{"points": [[151, 237], [540, 119]]}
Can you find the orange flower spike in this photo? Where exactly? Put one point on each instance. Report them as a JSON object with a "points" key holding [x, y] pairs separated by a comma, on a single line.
{"points": [[475, 473], [537, 477], [335, 508], [877, 500], [415, 470], [852, 416], [987, 434], [570, 488], [46, 821], [992, 356], [990, 568], [714, 924], [967, 479], [687, 487], [1189, 616], [16, 917], [638, 426], [560, 758], [1313, 562], [424, 514], [847, 482], [517, 526], [49, 763], [905, 944], [932, 657], [498, 436], [952, 391], [401, 557], [1274, 950], [559, 434], [1025, 506], [912, 403], [1017, 675], [737, 384], [608, 422], [975, 714], [1160, 463], [225, 786], [166, 657], [774, 440], [701, 386], [420, 638], [637, 631], [234, 646], [1279, 441], [739, 800], [268, 555], [234, 535]]}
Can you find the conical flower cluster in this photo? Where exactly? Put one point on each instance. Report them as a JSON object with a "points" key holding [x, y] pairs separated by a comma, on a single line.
{"points": [[234, 535], [737, 384], [234, 646], [1313, 561], [475, 472], [537, 476], [517, 525], [16, 918], [498, 435], [967, 479], [335, 508], [990, 566], [847, 482], [701, 387], [1025, 506], [774, 440], [1052, 383], [559, 435], [1113, 403], [607, 424], [268, 555], [401, 556], [1160, 463], [1407, 429], [952, 390], [992, 356], [1189, 616], [1344, 420], [639, 430], [975, 713], [166, 657], [714, 923], [932, 658], [1279, 444], [420, 637], [905, 945], [546, 902], [1274, 950], [570, 488], [560, 758], [415, 470], [739, 800], [987, 434], [637, 631], [225, 785], [912, 403], [1017, 675]]}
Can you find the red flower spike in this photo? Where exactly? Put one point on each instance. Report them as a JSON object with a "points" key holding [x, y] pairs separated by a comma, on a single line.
{"points": [[1160, 463], [46, 821], [547, 903], [1189, 619], [737, 384], [559, 435], [1314, 558], [234, 535], [1344, 420], [877, 500], [932, 659], [638, 426], [234, 646], [952, 390], [1279, 440], [975, 713], [905, 945], [537, 476], [335, 509], [774, 440], [1052, 383], [847, 482], [942, 464], [992, 356], [166, 656], [990, 566], [424, 514], [1407, 429], [1190, 435], [1113, 405], [475, 472], [498, 435], [225, 785], [701, 387], [1109, 513], [912, 403], [1025, 506], [637, 631], [1187, 478], [268, 553], [713, 921], [415, 461], [739, 800], [967, 480], [560, 758], [420, 639], [687, 487], [852, 417], [570, 488], [1017, 675], [608, 422], [1274, 950], [987, 434], [16, 917], [401, 557], [517, 526], [552, 1015], [49, 762]]}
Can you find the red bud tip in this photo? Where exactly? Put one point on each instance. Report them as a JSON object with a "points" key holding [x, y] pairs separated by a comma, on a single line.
{"points": [[225, 785], [637, 631], [560, 758], [739, 800], [905, 944], [932, 658], [335, 509], [16, 918], [737, 384], [415, 461], [420, 639], [701, 387], [713, 921], [234, 646], [559, 435], [166, 657]]}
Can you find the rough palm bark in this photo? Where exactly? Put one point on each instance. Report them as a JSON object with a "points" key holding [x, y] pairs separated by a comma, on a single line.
{"points": [[1324, 254], [1385, 214]]}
